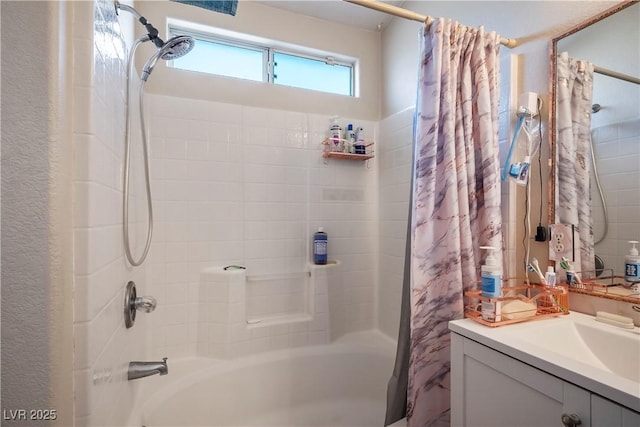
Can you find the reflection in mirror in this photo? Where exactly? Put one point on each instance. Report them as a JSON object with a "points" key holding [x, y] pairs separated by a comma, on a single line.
{"points": [[596, 138]]}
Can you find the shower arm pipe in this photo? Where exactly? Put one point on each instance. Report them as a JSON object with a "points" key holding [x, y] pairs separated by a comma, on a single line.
{"points": [[407, 14], [127, 8], [616, 75], [153, 31]]}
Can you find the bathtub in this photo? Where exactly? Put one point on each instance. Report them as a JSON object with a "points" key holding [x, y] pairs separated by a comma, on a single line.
{"points": [[339, 384]]}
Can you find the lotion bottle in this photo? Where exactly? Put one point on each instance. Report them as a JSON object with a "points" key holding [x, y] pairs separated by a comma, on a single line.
{"points": [[491, 286], [632, 263]]}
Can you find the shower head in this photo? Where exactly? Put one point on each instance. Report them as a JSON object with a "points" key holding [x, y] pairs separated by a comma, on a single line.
{"points": [[173, 48], [595, 108], [176, 47]]}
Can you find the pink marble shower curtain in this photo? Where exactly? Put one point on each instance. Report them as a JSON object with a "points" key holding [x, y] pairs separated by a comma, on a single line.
{"points": [[456, 204], [573, 155]]}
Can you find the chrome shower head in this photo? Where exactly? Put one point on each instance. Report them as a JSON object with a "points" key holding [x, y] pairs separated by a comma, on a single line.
{"points": [[176, 47], [173, 48]]}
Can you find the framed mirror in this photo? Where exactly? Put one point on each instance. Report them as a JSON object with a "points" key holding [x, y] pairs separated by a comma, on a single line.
{"points": [[595, 147]]}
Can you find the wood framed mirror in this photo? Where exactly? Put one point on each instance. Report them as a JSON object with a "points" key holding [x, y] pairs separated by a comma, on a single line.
{"points": [[610, 42]]}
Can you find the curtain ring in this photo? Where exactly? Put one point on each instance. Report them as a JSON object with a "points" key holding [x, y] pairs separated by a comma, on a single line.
{"points": [[581, 66], [428, 21]]}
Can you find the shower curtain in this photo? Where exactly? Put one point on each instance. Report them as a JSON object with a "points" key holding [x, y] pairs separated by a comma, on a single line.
{"points": [[574, 89], [456, 199]]}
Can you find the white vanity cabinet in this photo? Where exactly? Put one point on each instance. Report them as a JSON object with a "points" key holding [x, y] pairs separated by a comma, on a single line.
{"points": [[489, 388], [605, 413]]}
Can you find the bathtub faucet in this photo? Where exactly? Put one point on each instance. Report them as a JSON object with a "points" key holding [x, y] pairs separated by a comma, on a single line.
{"points": [[144, 369]]}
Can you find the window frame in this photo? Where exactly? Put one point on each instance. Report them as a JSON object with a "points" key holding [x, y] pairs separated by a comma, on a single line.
{"points": [[268, 49]]}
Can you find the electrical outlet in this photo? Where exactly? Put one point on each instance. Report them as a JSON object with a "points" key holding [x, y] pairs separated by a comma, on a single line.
{"points": [[561, 244], [528, 104]]}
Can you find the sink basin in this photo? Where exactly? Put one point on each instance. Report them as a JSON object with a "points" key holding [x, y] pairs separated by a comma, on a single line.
{"points": [[618, 350], [586, 341]]}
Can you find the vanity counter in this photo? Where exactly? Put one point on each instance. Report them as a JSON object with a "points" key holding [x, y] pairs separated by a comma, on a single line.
{"points": [[575, 348]]}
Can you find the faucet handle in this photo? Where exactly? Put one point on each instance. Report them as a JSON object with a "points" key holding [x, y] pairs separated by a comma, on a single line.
{"points": [[145, 303], [133, 303]]}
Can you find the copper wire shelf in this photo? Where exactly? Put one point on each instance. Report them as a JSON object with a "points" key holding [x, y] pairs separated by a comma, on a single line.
{"points": [[608, 286], [327, 153], [550, 301]]}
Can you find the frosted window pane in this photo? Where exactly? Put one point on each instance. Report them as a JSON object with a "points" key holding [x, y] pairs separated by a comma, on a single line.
{"points": [[296, 71], [224, 60]]}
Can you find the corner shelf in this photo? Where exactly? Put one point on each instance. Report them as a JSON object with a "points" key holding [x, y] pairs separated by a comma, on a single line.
{"points": [[348, 156]]}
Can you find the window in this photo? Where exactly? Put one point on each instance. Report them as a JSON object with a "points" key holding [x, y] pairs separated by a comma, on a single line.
{"points": [[266, 62], [223, 59], [312, 73]]}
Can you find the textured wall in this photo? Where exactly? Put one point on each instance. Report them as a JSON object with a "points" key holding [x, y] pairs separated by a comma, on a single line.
{"points": [[36, 288], [25, 259]]}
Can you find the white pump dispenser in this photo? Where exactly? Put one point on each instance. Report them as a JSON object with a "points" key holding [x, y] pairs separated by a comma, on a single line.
{"points": [[632, 264], [491, 286], [491, 275]]}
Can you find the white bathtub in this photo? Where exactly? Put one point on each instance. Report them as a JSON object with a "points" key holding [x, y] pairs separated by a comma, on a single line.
{"points": [[338, 384]]}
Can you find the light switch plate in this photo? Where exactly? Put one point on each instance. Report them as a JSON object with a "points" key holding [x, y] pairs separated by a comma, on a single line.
{"points": [[561, 243]]}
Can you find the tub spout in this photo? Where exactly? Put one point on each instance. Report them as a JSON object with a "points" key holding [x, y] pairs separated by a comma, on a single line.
{"points": [[144, 369]]}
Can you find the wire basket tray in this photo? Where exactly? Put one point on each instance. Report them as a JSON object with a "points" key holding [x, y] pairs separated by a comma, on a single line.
{"points": [[550, 301], [606, 285]]}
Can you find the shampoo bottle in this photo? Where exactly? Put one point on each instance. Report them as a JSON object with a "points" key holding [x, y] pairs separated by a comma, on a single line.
{"points": [[632, 263], [335, 131], [359, 146], [491, 286], [320, 247]]}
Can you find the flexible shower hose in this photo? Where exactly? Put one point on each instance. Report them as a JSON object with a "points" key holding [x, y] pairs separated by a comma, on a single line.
{"points": [[127, 166], [604, 203]]}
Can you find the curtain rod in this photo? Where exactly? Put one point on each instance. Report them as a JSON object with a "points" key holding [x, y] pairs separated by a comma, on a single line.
{"points": [[616, 75], [407, 14]]}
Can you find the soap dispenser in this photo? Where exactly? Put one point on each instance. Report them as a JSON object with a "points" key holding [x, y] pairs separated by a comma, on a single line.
{"points": [[632, 263], [491, 286]]}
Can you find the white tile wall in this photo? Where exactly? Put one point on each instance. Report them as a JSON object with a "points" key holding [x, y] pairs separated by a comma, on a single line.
{"points": [[277, 296], [395, 157], [617, 148], [227, 328], [103, 346], [244, 185]]}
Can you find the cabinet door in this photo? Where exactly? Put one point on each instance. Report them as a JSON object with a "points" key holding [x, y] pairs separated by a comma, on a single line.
{"points": [[491, 389], [605, 413]]}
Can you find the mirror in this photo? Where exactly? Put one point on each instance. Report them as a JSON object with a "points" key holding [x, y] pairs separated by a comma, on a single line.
{"points": [[611, 42]]}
